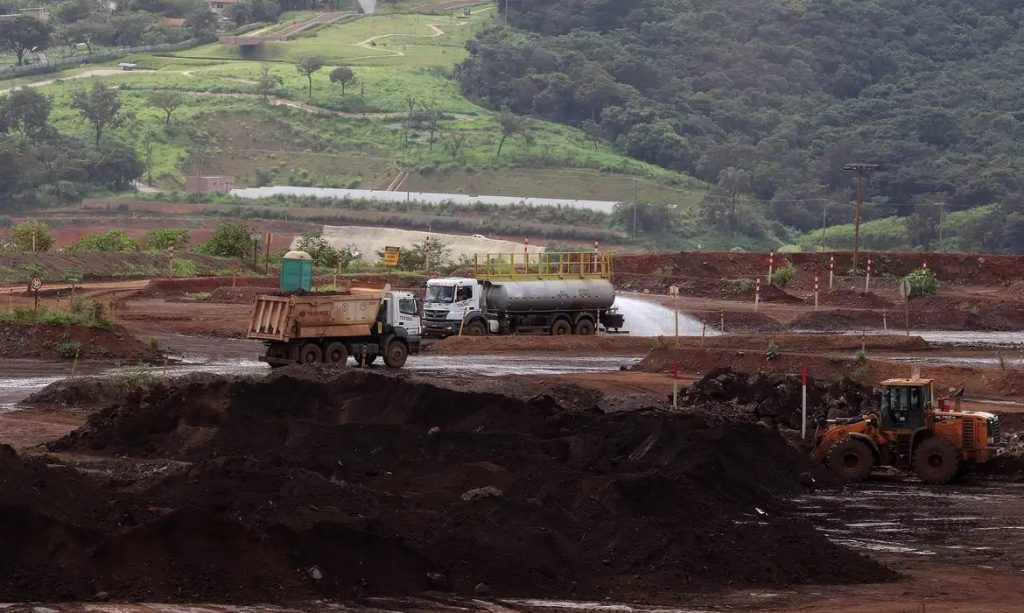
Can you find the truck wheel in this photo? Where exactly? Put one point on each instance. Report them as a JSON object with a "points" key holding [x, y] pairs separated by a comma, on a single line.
{"points": [[396, 354], [475, 328], [310, 353], [561, 328], [936, 461], [850, 459], [584, 327], [336, 353]]}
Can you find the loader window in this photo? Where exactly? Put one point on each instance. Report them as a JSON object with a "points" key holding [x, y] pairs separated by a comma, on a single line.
{"points": [[895, 403]]}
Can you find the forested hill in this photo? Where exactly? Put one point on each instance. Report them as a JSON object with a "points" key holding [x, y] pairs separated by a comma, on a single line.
{"points": [[773, 96]]}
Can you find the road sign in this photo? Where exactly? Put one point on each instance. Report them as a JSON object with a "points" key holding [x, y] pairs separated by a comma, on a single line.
{"points": [[673, 290], [35, 284], [73, 276], [391, 256], [905, 289]]}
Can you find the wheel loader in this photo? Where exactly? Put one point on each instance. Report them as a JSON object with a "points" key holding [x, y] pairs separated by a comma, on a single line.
{"points": [[913, 430]]}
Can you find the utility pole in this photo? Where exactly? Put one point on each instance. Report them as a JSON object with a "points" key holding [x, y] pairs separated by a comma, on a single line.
{"points": [[861, 170], [506, 12], [942, 210]]}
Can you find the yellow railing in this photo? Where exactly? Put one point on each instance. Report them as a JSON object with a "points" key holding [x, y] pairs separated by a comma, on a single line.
{"points": [[528, 266]]}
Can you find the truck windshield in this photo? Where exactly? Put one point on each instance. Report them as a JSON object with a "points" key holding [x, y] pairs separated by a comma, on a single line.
{"points": [[440, 293], [407, 306]]}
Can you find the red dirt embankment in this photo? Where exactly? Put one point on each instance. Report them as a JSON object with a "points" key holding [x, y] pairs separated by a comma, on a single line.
{"points": [[931, 313], [59, 342], [957, 268], [345, 484]]}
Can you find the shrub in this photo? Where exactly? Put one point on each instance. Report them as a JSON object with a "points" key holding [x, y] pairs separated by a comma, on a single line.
{"points": [[229, 240], [773, 352], [198, 296], [135, 376], [154, 344], [111, 241], [185, 268], [69, 349], [743, 286], [783, 276], [923, 282], [21, 236], [161, 238], [861, 355]]}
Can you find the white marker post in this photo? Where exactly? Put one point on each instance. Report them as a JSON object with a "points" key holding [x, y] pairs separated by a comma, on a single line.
{"points": [[675, 386], [867, 279], [771, 266], [674, 292], [831, 270], [803, 411], [816, 292], [757, 294]]}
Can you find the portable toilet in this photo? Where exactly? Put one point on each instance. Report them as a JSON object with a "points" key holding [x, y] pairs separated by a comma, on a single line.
{"points": [[296, 271]]}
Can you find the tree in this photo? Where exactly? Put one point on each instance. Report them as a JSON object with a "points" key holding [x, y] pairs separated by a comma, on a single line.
{"points": [[25, 110], [73, 11], [307, 66], [455, 142], [167, 101], [431, 254], [21, 236], [23, 33], [510, 125], [159, 239], [201, 22], [100, 106], [318, 248], [267, 83], [229, 240], [85, 32], [344, 76]]}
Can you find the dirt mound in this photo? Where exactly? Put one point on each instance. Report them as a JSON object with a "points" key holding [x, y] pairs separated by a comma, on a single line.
{"points": [[175, 288], [236, 295], [54, 266], [743, 322], [61, 342], [355, 483], [853, 298], [78, 392], [777, 397]]}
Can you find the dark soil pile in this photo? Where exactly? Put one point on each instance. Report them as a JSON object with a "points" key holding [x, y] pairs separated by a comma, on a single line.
{"points": [[77, 392], [777, 397], [354, 483], [852, 298], [59, 342]]}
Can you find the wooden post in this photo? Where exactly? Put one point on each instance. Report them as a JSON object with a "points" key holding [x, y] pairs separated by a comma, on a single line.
{"points": [[757, 294], [885, 320], [675, 386], [831, 270], [815, 292], [867, 279], [771, 266], [721, 325]]}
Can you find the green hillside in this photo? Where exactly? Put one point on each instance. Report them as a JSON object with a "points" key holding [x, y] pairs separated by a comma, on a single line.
{"points": [[769, 98]]}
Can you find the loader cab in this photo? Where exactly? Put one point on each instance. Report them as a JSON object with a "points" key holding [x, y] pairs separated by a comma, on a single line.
{"points": [[905, 403]]}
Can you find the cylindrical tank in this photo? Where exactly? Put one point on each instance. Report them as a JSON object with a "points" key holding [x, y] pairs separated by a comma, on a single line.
{"points": [[568, 295]]}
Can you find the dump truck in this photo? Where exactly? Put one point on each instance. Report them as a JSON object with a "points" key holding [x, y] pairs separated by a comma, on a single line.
{"points": [[300, 326], [545, 293], [914, 430]]}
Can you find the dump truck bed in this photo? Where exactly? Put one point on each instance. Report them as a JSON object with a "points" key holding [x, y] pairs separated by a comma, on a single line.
{"points": [[287, 317]]}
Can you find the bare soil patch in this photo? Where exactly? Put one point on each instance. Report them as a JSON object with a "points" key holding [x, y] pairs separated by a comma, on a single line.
{"points": [[57, 342]]}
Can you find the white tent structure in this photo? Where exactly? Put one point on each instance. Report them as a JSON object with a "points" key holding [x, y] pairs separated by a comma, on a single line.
{"points": [[369, 6]]}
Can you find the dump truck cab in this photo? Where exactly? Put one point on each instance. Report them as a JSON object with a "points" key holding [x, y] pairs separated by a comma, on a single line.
{"points": [[912, 429]]}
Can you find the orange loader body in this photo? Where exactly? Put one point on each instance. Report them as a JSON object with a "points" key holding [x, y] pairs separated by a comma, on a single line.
{"points": [[937, 443]]}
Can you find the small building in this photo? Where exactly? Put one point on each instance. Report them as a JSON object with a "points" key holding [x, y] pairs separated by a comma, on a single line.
{"points": [[218, 6], [204, 184]]}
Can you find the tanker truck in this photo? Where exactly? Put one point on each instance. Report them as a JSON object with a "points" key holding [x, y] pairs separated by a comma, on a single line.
{"points": [[558, 294]]}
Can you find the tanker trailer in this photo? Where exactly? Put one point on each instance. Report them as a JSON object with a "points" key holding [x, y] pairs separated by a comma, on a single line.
{"points": [[535, 306]]}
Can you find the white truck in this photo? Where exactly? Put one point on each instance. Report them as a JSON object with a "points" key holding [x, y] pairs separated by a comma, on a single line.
{"points": [[553, 294]]}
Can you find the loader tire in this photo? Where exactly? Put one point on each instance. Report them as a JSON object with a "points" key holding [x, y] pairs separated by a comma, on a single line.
{"points": [[850, 459], [396, 354], [336, 353], [475, 328], [936, 461], [310, 353]]}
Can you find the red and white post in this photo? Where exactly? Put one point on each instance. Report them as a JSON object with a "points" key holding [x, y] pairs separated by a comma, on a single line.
{"points": [[816, 292], [831, 270], [771, 266], [597, 259], [170, 260], [803, 404], [925, 265], [867, 279], [757, 293]]}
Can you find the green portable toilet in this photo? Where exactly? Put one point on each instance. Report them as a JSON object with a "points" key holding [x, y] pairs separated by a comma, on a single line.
{"points": [[296, 271]]}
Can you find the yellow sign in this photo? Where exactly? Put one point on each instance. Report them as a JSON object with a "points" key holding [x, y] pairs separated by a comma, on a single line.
{"points": [[391, 256]]}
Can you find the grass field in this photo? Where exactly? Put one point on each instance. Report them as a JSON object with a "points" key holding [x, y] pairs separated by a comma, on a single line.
{"points": [[364, 137]]}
